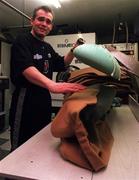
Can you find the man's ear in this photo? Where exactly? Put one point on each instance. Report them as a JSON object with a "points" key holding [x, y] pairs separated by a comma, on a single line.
{"points": [[52, 26]]}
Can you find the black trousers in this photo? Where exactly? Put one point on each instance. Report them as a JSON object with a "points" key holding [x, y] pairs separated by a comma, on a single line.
{"points": [[30, 111]]}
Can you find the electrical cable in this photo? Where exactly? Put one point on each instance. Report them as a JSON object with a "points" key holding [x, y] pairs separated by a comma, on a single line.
{"points": [[126, 27]]}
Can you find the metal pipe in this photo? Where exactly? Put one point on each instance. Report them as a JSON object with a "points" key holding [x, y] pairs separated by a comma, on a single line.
{"points": [[126, 28], [15, 9], [14, 27]]}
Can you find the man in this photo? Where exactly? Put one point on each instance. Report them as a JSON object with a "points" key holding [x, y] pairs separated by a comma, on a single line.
{"points": [[32, 64]]}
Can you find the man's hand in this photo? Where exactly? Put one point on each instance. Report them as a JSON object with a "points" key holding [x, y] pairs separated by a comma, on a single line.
{"points": [[79, 42], [64, 87]]}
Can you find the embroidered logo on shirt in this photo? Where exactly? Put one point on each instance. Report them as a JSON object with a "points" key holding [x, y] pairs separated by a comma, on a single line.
{"points": [[37, 56], [49, 55], [46, 66]]}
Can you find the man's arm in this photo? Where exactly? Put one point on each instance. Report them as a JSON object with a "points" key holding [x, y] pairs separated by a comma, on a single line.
{"points": [[69, 57], [35, 77]]}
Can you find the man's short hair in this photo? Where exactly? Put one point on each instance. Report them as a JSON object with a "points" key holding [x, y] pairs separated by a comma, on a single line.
{"points": [[45, 8]]}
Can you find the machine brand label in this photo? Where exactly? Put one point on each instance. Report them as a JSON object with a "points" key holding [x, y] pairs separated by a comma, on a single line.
{"points": [[65, 44]]}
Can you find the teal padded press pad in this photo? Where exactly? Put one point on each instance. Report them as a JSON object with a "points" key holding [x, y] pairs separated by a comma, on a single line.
{"points": [[98, 57]]}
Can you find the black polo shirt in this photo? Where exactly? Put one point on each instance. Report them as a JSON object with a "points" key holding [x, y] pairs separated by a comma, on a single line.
{"points": [[28, 51]]}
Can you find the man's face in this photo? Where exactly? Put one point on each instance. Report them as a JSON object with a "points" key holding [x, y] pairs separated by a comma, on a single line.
{"points": [[42, 24]]}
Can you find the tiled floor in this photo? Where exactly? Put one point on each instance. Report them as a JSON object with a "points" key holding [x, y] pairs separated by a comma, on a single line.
{"points": [[4, 143]]}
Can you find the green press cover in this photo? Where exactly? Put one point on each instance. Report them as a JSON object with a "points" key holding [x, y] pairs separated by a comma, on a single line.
{"points": [[99, 57]]}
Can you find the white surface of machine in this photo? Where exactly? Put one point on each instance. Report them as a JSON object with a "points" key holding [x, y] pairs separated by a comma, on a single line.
{"points": [[62, 45], [38, 158]]}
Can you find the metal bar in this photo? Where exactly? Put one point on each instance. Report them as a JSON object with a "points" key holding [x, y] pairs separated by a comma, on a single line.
{"points": [[15, 27], [134, 106], [15, 9]]}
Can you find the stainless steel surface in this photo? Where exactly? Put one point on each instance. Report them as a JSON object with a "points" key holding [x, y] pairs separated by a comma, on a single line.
{"points": [[134, 106]]}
